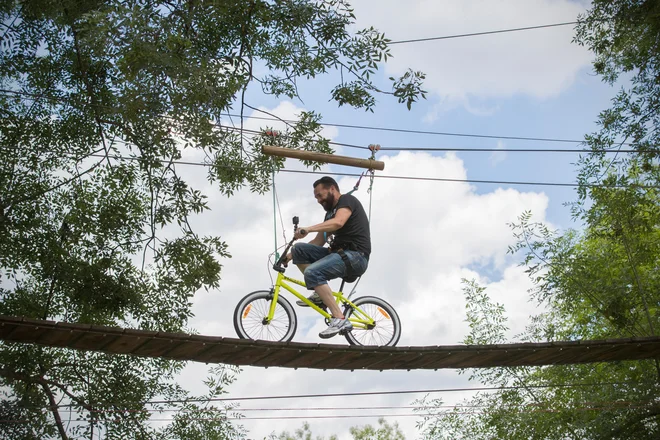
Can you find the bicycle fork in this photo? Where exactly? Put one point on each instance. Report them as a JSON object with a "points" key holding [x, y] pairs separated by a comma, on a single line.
{"points": [[274, 294]]}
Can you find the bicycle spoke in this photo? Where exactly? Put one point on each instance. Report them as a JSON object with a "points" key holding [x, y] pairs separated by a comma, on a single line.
{"points": [[254, 314], [384, 327]]}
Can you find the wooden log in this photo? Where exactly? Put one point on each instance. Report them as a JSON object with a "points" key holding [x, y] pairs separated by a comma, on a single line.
{"points": [[369, 164]]}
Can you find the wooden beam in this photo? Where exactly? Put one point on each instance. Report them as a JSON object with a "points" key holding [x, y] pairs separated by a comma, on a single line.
{"points": [[369, 164]]}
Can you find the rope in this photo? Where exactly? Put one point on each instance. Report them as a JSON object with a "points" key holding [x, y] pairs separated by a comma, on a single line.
{"points": [[371, 172], [373, 148], [277, 255], [273, 134]]}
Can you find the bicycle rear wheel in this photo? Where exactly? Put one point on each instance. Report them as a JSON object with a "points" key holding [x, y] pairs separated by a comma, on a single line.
{"points": [[251, 313], [386, 329]]}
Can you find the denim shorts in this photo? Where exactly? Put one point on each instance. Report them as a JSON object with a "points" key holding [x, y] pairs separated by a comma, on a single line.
{"points": [[325, 265]]}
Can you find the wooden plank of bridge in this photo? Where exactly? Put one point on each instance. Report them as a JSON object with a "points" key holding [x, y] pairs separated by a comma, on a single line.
{"points": [[214, 349]]}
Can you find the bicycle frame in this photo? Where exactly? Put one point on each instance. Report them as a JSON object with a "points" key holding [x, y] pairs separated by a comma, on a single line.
{"points": [[358, 318]]}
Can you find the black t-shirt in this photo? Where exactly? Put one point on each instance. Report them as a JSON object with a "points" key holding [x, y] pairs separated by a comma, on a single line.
{"points": [[356, 229]]}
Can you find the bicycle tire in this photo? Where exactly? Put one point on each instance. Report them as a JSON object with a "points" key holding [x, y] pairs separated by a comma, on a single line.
{"points": [[253, 308], [387, 331]]}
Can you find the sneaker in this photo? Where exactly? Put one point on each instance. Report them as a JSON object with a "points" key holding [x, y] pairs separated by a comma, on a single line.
{"points": [[337, 325], [313, 298]]}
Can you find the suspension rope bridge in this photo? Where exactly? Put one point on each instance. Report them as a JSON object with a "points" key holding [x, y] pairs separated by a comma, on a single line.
{"points": [[213, 349]]}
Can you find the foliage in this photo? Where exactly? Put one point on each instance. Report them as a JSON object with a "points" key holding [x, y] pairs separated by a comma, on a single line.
{"points": [[384, 431], [623, 35], [597, 283], [580, 401], [99, 100], [303, 433]]}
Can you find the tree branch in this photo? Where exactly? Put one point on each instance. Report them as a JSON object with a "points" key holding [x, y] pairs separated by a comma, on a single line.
{"points": [[56, 414], [654, 412], [59, 185], [90, 92]]}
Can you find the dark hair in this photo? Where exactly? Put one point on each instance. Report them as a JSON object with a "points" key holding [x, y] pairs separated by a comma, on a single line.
{"points": [[326, 181]]}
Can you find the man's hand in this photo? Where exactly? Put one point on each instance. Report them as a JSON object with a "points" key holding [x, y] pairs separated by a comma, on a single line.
{"points": [[300, 233]]}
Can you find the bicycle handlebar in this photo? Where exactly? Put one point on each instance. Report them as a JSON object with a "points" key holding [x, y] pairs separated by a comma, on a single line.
{"points": [[278, 265]]}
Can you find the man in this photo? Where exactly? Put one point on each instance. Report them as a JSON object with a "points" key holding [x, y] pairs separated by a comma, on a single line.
{"points": [[348, 255]]}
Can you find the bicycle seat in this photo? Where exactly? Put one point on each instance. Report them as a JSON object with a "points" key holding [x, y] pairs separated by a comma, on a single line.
{"points": [[350, 279]]}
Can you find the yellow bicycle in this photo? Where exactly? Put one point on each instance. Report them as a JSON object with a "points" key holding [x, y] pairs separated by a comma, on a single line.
{"points": [[266, 315]]}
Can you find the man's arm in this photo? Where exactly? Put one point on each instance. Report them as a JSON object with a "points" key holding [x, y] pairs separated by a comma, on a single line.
{"points": [[331, 225], [318, 240]]}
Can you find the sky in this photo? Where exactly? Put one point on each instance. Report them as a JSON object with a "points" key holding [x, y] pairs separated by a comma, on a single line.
{"points": [[426, 236]]}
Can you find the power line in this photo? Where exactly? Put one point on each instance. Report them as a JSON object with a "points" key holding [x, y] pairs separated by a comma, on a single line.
{"points": [[446, 149], [361, 416], [412, 178], [435, 133], [325, 408], [380, 393], [397, 130], [598, 404], [475, 34], [494, 182]]}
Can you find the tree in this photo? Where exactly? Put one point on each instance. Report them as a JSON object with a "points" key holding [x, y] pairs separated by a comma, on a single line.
{"points": [[623, 35], [578, 280], [384, 431], [596, 283], [98, 100], [303, 433]]}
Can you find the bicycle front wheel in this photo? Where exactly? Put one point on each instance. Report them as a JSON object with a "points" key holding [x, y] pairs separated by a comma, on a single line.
{"points": [[386, 328], [251, 318]]}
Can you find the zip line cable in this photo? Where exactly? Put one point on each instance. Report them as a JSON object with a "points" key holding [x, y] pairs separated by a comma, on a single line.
{"points": [[475, 34], [412, 178], [457, 149], [380, 393], [460, 406], [399, 130], [435, 133], [330, 124], [438, 414], [362, 416], [615, 150], [495, 182]]}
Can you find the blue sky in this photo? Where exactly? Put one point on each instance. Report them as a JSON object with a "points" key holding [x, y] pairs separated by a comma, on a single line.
{"points": [[426, 236]]}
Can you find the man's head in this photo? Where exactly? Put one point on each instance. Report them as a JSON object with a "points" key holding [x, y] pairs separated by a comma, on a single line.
{"points": [[326, 192]]}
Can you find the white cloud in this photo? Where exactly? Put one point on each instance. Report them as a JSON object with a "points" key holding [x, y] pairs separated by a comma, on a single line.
{"points": [[496, 157], [540, 63]]}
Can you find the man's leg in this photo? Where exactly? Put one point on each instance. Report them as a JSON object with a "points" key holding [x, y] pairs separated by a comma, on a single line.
{"points": [[316, 277], [303, 255], [325, 292]]}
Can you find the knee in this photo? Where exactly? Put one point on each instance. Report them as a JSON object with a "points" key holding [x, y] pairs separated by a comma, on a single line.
{"points": [[312, 276], [302, 267], [308, 273]]}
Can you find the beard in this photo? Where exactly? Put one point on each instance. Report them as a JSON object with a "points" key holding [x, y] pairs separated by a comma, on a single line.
{"points": [[329, 202]]}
